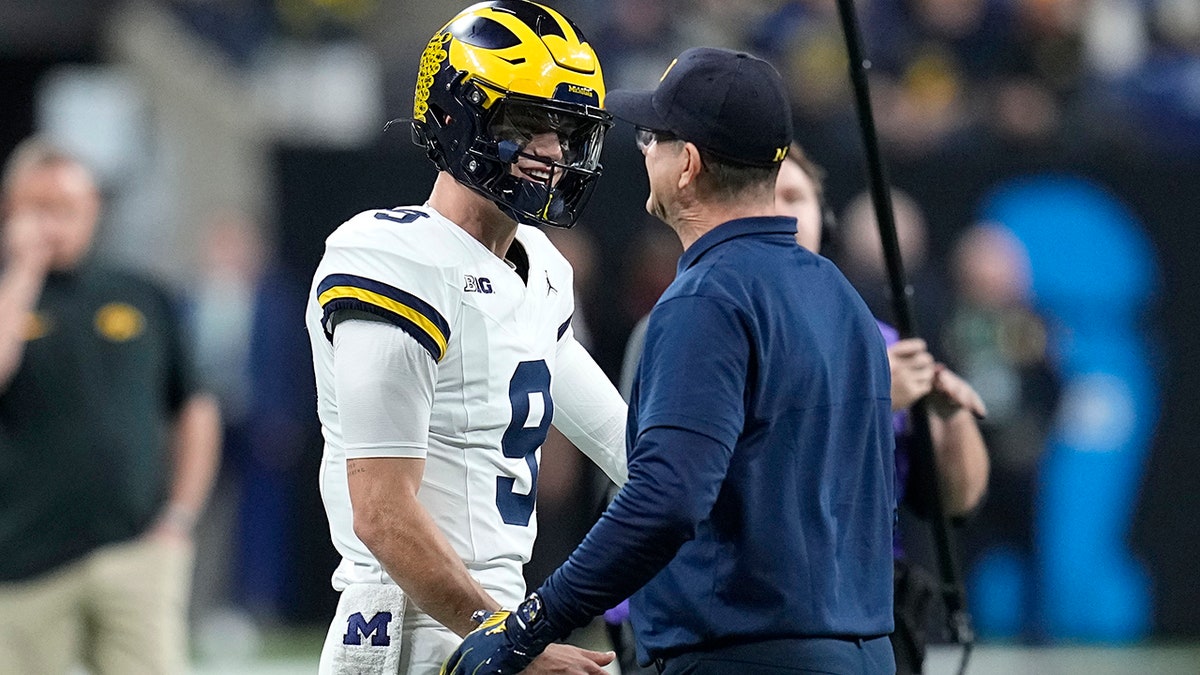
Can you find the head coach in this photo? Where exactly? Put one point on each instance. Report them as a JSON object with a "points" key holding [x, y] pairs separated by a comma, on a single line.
{"points": [[755, 530]]}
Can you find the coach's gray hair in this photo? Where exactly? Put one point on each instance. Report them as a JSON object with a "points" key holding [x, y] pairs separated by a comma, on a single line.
{"points": [[725, 180], [35, 152]]}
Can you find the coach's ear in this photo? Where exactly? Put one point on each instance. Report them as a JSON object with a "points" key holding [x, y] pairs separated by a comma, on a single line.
{"points": [[690, 165]]}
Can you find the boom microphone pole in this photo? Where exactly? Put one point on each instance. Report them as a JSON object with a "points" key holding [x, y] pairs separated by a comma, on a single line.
{"points": [[953, 595]]}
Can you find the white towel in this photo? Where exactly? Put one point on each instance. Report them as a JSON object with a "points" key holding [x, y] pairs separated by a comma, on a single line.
{"points": [[365, 635]]}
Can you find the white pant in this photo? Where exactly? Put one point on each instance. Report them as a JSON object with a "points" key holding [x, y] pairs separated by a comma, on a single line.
{"points": [[376, 630]]}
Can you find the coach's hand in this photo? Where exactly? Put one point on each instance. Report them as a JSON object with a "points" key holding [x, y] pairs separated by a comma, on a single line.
{"points": [[506, 642], [560, 659]]}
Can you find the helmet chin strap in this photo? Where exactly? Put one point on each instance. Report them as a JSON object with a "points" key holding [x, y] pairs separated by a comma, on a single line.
{"points": [[531, 203]]}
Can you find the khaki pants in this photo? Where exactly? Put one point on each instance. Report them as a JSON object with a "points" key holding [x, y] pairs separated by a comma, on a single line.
{"points": [[120, 610]]}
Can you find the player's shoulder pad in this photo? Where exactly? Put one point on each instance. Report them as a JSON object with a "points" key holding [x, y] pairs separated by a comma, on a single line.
{"points": [[399, 264], [416, 234]]}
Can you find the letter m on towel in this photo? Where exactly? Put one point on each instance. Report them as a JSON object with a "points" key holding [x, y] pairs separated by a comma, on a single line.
{"points": [[377, 629]]}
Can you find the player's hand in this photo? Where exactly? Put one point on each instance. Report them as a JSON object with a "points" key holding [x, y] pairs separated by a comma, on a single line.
{"points": [[506, 642], [912, 372], [951, 393], [570, 660]]}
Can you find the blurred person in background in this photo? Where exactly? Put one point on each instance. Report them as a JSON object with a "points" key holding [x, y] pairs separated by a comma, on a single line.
{"points": [[254, 355], [959, 450], [860, 255], [220, 314], [997, 339], [107, 447], [443, 347]]}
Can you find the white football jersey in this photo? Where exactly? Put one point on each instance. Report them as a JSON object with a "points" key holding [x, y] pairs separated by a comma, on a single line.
{"points": [[494, 338]]}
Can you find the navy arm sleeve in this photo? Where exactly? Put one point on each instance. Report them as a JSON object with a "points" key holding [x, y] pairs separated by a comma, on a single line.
{"points": [[690, 412], [642, 529]]}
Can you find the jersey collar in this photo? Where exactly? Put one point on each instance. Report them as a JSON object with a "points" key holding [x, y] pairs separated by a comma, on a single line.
{"points": [[732, 229]]}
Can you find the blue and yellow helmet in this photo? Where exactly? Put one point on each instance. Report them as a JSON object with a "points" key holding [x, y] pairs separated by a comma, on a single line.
{"points": [[495, 76]]}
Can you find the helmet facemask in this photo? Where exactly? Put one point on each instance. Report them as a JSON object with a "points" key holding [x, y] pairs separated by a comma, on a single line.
{"points": [[549, 154], [537, 159]]}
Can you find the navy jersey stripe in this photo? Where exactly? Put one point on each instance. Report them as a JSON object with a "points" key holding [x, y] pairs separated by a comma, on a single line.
{"points": [[392, 292], [402, 322]]}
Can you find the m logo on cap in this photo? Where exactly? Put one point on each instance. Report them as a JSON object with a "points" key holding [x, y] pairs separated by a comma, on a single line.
{"points": [[732, 104]]}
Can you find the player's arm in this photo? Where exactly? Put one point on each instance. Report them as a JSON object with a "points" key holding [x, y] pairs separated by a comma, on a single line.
{"points": [[588, 409], [385, 380], [957, 442], [401, 534]]}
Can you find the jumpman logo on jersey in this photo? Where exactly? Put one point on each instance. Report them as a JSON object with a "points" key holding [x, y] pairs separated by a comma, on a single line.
{"points": [[549, 286]]}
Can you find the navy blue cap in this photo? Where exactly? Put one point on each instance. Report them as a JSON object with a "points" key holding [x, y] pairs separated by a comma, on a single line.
{"points": [[732, 104]]}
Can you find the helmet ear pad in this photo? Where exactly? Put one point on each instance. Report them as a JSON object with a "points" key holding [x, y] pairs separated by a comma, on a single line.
{"points": [[454, 127], [450, 120]]}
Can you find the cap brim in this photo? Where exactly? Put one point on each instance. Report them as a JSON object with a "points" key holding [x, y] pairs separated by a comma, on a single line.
{"points": [[635, 107]]}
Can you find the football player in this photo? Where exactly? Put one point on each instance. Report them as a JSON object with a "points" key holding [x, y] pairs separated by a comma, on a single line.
{"points": [[443, 347]]}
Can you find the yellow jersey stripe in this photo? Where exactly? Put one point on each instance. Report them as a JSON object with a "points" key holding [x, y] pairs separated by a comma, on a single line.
{"points": [[384, 302]]}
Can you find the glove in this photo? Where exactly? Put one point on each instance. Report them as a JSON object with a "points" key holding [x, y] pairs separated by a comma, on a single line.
{"points": [[505, 643]]}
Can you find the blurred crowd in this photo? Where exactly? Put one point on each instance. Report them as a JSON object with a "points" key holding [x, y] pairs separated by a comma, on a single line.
{"points": [[1053, 330], [950, 74]]}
